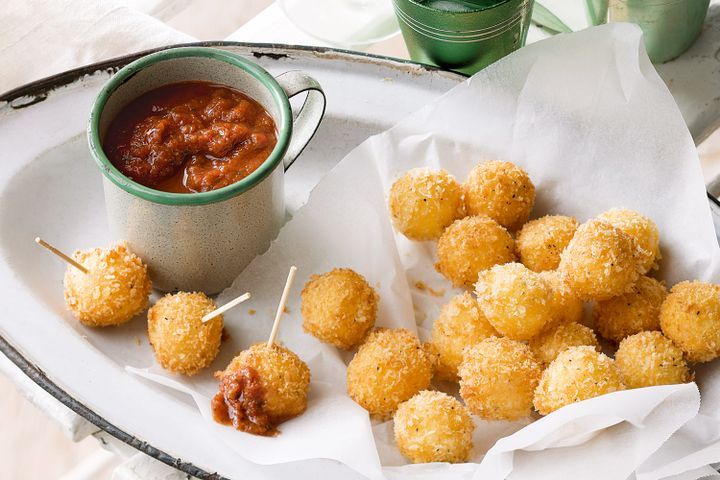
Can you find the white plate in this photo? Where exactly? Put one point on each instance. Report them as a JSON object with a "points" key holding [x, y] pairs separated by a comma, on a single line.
{"points": [[49, 186]]}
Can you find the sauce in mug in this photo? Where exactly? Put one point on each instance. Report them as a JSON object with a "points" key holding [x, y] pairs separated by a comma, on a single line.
{"points": [[190, 137]]}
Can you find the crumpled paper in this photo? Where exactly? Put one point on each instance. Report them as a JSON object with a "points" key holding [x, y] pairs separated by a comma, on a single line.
{"points": [[587, 116]]}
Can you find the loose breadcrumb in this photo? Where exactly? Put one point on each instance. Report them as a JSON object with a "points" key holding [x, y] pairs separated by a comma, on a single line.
{"points": [[471, 245], [433, 427], [497, 379]]}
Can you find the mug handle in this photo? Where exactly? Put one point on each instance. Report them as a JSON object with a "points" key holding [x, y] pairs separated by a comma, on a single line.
{"points": [[311, 113]]}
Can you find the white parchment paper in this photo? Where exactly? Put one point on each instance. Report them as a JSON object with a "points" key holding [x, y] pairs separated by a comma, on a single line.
{"points": [[587, 116]]}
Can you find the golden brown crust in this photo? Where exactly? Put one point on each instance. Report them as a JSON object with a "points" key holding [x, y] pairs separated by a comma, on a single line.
{"points": [[460, 324], [498, 377], [599, 262], [389, 368], [471, 245], [540, 242], [181, 341], [550, 343], [642, 230], [632, 312], [423, 202], [338, 307], [285, 378], [500, 190], [433, 427], [690, 317], [116, 288], [578, 373], [517, 302], [650, 358]]}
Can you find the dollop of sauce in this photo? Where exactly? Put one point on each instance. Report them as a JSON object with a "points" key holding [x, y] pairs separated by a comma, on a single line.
{"points": [[190, 137], [240, 402]]}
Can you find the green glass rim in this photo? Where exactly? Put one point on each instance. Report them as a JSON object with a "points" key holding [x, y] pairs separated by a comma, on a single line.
{"points": [[283, 123], [480, 8]]}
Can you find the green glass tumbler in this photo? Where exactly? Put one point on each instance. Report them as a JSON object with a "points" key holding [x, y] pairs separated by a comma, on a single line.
{"points": [[463, 36]]}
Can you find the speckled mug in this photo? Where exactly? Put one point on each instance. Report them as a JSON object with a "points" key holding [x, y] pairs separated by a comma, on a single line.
{"points": [[202, 241]]}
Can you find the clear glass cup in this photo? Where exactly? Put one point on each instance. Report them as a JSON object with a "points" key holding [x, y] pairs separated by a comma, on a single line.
{"points": [[351, 24]]}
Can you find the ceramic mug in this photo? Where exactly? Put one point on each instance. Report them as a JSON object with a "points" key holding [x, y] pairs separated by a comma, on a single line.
{"points": [[202, 241]]}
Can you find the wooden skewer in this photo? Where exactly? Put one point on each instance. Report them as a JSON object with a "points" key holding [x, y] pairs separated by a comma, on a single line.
{"points": [[60, 254], [226, 307], [281, 306]]}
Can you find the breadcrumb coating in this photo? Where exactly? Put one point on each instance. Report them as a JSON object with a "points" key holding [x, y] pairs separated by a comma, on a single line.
{"points": [[632, 312], [338, 307], [540, 242], [115, 289], [389, 368], [599, 262], [650, 358], [500, 190], [285, 378], [498, 377], [433, 427], [516, 301], [423, 202], [471, 245], [577, 374], [550, 343], [181, 341], [690, 317], [567, 307], [642, 230], [460, 324]]}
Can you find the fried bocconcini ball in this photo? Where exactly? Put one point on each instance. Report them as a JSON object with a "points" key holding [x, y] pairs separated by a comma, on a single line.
{"points": [[433, 427], [181, 341], [115, 289], [517, 302], [642, 230], [460, 324], [500, 190], [632, 312], [471, 245], [389, 368], [567, 307], [599, 262], [540, 242], [650, 358], [423, 202], [548, 344], [498, 377], [284, 377], [339, 307], [576, 374], [690, 317]]}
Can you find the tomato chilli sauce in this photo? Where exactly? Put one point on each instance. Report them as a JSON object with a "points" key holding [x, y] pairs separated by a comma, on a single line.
{"points": [[190, 137]]}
